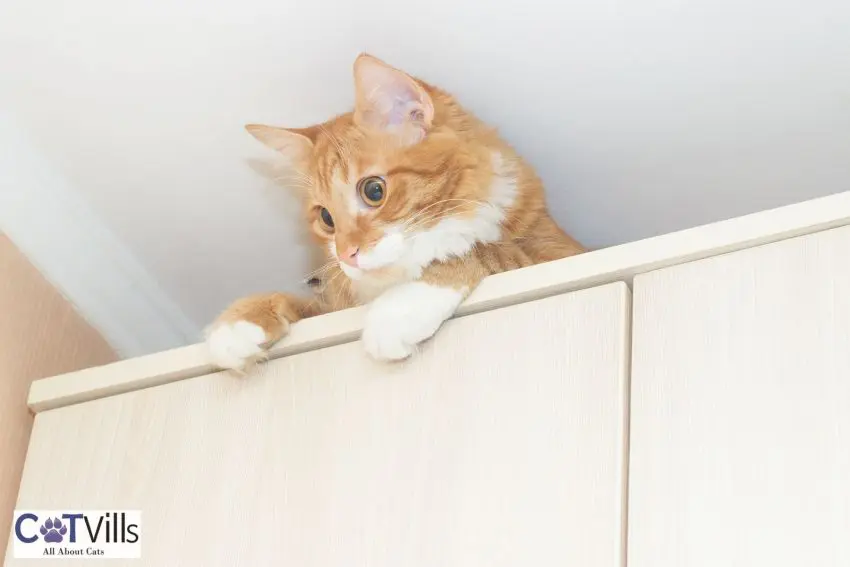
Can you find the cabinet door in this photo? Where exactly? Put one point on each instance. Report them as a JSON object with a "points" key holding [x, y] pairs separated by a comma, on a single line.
{"points": [[740, 423], [501, 443]]}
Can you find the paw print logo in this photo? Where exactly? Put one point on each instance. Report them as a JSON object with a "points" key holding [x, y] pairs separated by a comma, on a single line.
{"points": [[53, 530]]}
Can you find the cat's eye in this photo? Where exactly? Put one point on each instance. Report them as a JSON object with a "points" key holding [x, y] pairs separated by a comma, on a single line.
{"points": [[327, 219], [372, 190]]}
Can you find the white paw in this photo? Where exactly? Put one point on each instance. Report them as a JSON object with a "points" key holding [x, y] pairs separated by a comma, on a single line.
{"points": [[404, 316], [382, 343], [233, 345]]}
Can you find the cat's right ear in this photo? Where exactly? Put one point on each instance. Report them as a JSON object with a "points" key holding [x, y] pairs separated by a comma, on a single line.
{"points": [[294, 143], [390, 101]]}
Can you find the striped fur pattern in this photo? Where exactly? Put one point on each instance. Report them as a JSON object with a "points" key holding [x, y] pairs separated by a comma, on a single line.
{"points": [[414, 200]]}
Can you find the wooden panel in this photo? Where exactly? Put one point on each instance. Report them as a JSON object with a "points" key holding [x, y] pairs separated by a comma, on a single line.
{"points": [[617, 263], [740, 436], [501, 444]]}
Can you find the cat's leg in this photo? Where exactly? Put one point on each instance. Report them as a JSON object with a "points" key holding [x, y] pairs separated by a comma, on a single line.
{"points": [[244, 330], [410, 313]]}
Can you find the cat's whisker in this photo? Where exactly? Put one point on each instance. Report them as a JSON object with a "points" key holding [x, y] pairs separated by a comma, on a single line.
{"points": [[290, 177], [335, 276], [295, 179], [323, 268], [418, 222], [296, 185], [301, 182], [339, 297], [293, 174], [475, 202], [448, 214], [320, 270], [440, 202], [297, 173], [339, 293], [432, 218], [417, 219]]}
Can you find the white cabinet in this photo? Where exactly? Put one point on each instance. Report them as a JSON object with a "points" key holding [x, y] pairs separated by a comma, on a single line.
{"points": [[740, 409], [502, 443]]}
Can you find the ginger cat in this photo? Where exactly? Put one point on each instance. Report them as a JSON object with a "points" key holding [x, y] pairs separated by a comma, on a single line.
{"points": [[415, 200]]}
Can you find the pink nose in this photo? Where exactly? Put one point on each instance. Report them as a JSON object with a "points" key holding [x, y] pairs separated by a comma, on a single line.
{"points": [[350, 255]]}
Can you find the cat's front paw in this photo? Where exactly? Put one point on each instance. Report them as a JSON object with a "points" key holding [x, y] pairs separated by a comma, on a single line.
{"points": [[404, 316], [233, 346], [241, 333], [382, 341]]}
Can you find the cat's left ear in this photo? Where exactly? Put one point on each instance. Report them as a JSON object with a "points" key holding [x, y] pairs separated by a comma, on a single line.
{"points": [[295, 144], [390, 101]]}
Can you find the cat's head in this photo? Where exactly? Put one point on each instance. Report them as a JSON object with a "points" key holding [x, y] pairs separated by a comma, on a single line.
{"points": [[379, 181]]}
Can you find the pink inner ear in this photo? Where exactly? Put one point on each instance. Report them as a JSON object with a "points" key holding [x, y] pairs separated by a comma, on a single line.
{"points": [[403, 111], [390, 95]]}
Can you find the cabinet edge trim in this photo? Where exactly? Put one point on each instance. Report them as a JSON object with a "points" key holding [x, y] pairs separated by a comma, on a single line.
{"points": [[608, 265]]}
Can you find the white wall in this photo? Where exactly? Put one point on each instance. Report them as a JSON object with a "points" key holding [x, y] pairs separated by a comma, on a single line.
{"points": [[643, 116], [52, 224]]}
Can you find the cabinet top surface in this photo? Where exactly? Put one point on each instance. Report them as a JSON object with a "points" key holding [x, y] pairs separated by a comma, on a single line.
{"points": [[618, 263]]}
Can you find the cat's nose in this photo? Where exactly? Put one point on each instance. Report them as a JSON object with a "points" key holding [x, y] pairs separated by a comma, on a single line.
{"points": [[350, 255]]}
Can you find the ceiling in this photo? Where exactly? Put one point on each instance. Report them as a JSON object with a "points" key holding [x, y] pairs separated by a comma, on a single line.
{"points": [[642, 116]]}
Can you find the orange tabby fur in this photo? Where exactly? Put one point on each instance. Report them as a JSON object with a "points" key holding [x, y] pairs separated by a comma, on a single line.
{"points": [[438, 162]]}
